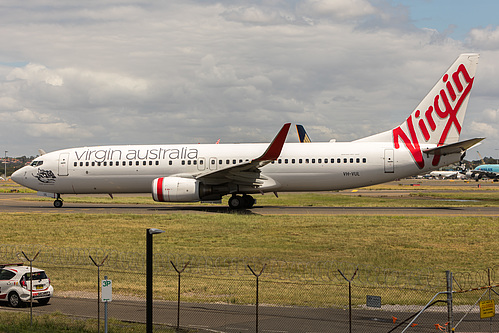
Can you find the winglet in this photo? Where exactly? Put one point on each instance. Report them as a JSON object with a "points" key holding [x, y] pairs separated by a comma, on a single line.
{"points": [[274, 149]]}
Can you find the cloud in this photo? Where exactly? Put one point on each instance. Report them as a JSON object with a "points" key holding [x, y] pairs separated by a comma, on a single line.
{"points": [[35, 73], [484, 39], [338, 9], [28, 116], [485, 130], [195, 71]]}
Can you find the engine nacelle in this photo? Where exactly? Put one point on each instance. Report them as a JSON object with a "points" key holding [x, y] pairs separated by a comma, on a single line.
{"points": [[175, 189], [178, 189]]}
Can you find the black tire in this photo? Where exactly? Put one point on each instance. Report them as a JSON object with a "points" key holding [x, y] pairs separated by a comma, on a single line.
{"points": [[44, 301], [248, 201], [15, 300], [58, 203], [236, 202]]}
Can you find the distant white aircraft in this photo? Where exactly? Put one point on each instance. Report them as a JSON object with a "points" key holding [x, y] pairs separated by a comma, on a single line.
{"points": [[427, 140], [450, 174]]}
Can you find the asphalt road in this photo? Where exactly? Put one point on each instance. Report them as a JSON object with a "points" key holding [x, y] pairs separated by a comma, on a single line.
{"points": [[14, 203], [242, 318]]}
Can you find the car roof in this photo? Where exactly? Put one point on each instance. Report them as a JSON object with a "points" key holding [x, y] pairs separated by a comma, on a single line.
{"points": [[19, 268]]}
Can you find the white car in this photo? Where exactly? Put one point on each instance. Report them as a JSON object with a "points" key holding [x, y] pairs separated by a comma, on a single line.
{"points": [[15, 285]]}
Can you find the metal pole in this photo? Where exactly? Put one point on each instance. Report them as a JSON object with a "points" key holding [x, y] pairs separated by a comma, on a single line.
{"points": [[257, 288], [178, 292], [148, 282], [350, 306], [30, 291], [105, 311], [149, 278], [422, 310], [349, 297], [5, 164], [178, 303], [98, 299], [98, 288], [449, 301], [30, 277], [490, 296]]}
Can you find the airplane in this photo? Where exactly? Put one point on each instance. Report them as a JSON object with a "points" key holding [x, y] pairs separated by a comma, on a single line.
{"points": [[490, 171], [447, 174], [427, 140]]}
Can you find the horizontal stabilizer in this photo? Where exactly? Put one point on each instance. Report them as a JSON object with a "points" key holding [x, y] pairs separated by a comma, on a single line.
{"points": [[453, 148]]}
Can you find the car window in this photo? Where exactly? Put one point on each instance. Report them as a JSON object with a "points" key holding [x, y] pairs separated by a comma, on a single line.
{"points": [[36, 276], [6, 275]]}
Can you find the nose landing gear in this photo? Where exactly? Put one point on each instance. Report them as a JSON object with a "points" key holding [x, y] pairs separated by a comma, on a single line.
{"points": [[58, 202]]}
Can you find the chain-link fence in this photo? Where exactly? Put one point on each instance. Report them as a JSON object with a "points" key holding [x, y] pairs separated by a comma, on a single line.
{"points": [[220, 294]]}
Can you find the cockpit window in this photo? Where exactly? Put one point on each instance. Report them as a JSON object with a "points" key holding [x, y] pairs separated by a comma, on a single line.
{"points": [[36, 163]]}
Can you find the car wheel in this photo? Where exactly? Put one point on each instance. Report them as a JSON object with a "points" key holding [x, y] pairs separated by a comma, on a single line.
{"points": [[14, 300], [44, 301]]}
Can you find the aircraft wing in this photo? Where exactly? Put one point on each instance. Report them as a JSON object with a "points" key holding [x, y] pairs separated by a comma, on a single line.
{"points": [[453, 148], [248, 173]]}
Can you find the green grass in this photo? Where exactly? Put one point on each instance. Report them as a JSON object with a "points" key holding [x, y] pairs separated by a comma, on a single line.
{"points": [[395, 242], [325, 199], [56, 322]]}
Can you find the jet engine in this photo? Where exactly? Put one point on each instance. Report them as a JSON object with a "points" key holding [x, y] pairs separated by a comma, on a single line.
{"points": [[178, 189]]}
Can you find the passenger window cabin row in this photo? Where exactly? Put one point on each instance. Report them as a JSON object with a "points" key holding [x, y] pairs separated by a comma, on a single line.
{"points": [[343, 160], [227, 162], [117, 163]]}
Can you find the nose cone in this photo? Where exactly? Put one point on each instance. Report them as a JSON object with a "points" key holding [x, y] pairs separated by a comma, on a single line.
{"points": [[19, 176]]}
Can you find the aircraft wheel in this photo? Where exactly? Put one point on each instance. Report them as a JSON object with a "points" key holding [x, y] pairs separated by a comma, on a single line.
{"points": [[236, 202], [249, 201], [58, 203]]}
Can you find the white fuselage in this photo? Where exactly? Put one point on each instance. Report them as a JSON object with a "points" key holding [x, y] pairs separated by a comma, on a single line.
{"points": [[300, 166]]}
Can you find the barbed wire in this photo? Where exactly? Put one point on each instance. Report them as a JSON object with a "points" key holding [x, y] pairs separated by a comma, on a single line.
{"points": [[314, 271]]}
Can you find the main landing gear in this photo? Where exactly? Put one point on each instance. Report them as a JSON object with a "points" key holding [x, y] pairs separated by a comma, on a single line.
{"points": [[241, 202], [58, 201]]}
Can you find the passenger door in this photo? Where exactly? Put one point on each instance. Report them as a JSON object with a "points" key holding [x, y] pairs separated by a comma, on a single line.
{"points": [[63, 164]]}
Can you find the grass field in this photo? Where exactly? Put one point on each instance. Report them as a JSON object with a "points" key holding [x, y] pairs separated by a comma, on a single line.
{"points": [[396, 242], [57, 322], [403, 243]]}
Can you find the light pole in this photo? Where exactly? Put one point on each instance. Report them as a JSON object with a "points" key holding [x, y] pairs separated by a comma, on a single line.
{"points": [[5, 164], [149, 251]]}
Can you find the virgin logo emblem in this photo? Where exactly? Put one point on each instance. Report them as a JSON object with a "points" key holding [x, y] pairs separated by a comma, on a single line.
{"points": [[442, 109]]}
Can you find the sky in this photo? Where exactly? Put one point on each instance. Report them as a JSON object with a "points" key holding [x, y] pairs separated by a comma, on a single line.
{"points": [[82, 73]]}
